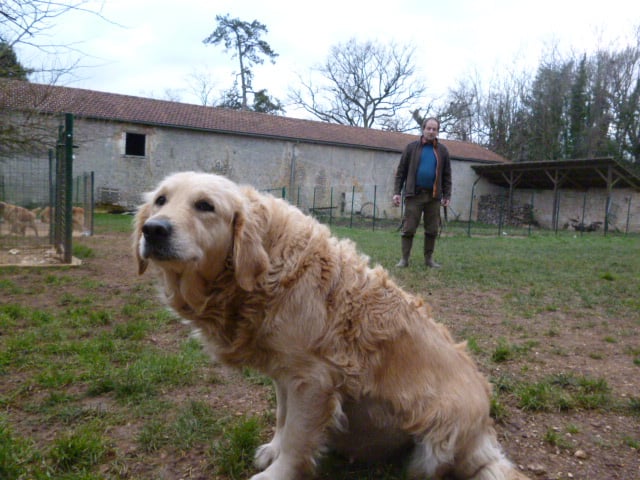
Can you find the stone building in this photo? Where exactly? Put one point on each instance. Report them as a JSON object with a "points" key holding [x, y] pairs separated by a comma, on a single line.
{"points": [[130, 143]]}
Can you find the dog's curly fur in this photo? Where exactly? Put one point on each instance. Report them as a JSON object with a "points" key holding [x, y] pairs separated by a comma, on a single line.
{"points": [[359, 365]]}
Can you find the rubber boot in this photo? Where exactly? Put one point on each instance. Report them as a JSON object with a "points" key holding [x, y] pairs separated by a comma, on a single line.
{"points": [[429, 247], [406, 252]]}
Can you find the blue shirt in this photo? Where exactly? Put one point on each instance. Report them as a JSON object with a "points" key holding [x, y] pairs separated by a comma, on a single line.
{"points": [[426, 174]]}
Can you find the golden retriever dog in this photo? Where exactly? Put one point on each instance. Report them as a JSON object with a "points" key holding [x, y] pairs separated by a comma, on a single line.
{"points": [[18, 218], [359, 365], [77, 216]]}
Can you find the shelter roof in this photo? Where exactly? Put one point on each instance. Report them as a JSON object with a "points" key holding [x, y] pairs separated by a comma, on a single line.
{"points": [[579, 174]]}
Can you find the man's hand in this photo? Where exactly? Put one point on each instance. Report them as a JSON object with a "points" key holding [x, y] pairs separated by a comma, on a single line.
{"points": [[445, 202], [396, 200]]}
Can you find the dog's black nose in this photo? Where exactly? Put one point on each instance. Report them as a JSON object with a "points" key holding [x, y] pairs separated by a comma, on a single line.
{"points": [[156, 230]]}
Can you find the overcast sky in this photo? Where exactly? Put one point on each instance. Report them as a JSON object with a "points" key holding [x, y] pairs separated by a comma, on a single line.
{"points": [[157, 44]]}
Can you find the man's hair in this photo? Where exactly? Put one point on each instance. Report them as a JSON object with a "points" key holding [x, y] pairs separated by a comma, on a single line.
{"points": [[424, 122]]}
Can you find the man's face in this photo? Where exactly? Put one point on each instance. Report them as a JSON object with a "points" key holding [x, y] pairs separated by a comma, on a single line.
{"points": [[430, 130]]}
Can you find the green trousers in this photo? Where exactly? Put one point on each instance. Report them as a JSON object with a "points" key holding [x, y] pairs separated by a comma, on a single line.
{"points": [[420, 207]]}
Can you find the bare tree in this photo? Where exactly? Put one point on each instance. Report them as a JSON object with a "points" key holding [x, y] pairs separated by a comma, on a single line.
{"points": [[572, 107], [503, 114], [625, 100], [27, 23], [364, 84], [23, 131], [201, 85], [460, 117], [577, 107]]}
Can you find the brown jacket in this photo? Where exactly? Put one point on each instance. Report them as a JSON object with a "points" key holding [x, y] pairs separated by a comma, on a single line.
{"points": [[408, 168]]}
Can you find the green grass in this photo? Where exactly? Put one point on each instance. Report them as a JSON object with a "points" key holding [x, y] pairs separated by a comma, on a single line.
{"points": [[109, 222], [78, 450], [98, 362], [195, 423], [564, 392], [82, 251], [536, 274], [233, 455], [12, 451], [556, 439], [150, 371]]}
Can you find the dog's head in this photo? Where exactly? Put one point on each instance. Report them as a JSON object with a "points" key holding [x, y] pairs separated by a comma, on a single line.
{"points": [[197, 221]]}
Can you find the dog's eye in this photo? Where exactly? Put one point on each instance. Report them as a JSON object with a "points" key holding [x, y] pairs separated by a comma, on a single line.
{"points": [[161, 200], [204, 206]]}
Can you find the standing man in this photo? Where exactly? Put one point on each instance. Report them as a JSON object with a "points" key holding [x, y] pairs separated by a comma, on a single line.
{"points": [[425, 173]]}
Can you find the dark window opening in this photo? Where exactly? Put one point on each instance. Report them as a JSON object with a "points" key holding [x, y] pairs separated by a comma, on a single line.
{"points": [[135, 144]]}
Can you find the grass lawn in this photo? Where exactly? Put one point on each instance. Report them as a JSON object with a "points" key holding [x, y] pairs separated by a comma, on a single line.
{"points": [[99, 381]]}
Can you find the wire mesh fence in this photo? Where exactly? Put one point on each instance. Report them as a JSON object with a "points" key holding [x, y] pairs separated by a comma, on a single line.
{"points": [[42, 206], [496, 214], [356, 206], [24, 193], [32, 222]]}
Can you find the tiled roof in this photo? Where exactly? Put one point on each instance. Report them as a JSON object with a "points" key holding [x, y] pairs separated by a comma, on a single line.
{"points": [[17, 95]]}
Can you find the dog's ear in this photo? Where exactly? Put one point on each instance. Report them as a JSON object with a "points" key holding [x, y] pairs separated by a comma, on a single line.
{"points": [[141, 216], [250, 259]]}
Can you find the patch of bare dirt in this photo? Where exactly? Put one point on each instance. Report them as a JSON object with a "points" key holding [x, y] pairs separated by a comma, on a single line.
{"points": [[34, 257], [31, 250]]}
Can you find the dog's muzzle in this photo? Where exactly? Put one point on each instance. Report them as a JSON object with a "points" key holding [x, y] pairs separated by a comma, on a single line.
{"points": [[157, 242]]}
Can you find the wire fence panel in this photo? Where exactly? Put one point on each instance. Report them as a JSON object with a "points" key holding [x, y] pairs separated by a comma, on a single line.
{"points": [[347, 205], [29, 217], [24, 192], [495, 214], [42, 206]]}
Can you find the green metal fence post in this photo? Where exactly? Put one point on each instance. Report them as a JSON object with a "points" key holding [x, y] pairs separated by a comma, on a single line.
{"points": [[375, 195], [556, 212], [52, 194], [330, 206], [607, 213], [353, 196], [626, 230], [313, 205], [93, 202], [68, 159], [532, 203], [473, 190], [584, 207], [500, 216], [57, 206]]}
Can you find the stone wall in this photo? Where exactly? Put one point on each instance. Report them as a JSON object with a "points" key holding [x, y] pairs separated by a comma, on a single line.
{"points": [[308, 174], [267, 164]]}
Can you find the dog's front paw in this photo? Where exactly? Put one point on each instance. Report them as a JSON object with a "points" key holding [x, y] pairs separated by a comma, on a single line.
{"points": [[265, 456], [278, 470], [261, 476]]}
